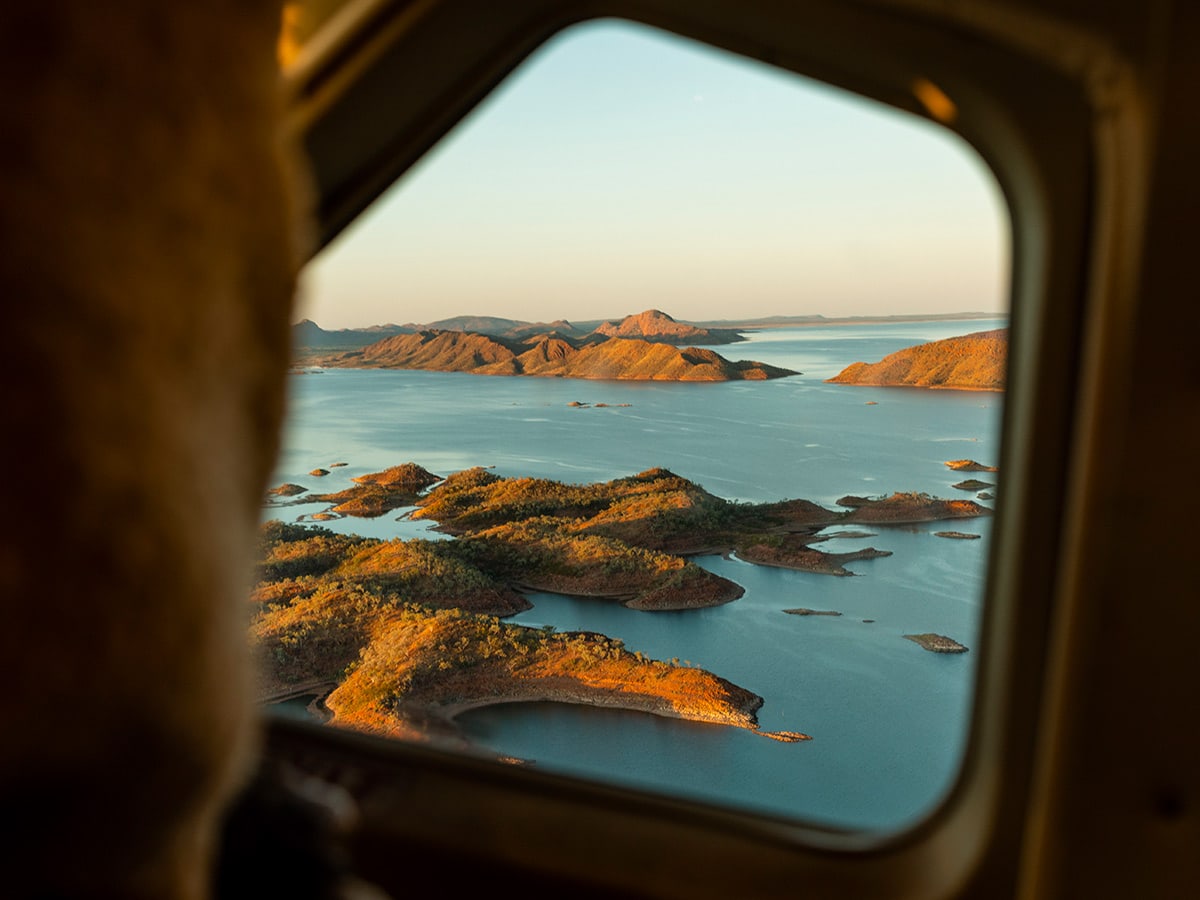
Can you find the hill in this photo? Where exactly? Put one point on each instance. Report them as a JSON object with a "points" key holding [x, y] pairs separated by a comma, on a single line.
{"points": [[596, 357], [971, 362], [657, 327], [308, 335]]}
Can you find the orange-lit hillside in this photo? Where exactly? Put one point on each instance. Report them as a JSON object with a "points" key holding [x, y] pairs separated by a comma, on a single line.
{"points": [[404, 633], [419, 666], [971, 362], [387, 626], [594, 357]]}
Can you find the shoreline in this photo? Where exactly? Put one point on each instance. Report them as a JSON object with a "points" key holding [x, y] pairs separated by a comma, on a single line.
{"points": [[919, 387], [843, 321], [450, 712]]}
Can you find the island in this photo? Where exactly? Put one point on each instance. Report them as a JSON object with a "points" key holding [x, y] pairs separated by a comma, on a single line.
{"points": [[379, 492], [402, 635], [971, 362], [969, 465], [554, 355], [287, 489], [936, 643], [627, 538], [905, 507], [801, 611], [972, 484]]}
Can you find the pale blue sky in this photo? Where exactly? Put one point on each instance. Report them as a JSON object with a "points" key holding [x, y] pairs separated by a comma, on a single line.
{"points": [[620, 169]]}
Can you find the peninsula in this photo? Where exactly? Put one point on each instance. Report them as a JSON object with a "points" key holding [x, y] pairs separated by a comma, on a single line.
{"points": [[971, 362]]}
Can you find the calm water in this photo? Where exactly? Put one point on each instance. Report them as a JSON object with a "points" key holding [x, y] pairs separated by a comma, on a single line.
{"points": [[888, 718]]}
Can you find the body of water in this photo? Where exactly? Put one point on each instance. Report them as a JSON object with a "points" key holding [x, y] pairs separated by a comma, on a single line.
{"points": [[888, 719]]}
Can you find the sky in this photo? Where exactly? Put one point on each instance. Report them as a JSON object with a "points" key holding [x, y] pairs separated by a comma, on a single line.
{"points": [[621, 169]]}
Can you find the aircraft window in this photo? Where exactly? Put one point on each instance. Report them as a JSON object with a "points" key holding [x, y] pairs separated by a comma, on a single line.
{"points": [[533, 345]]}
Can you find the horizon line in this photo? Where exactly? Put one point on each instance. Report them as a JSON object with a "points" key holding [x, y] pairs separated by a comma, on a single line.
{"points": [[749, 322]]}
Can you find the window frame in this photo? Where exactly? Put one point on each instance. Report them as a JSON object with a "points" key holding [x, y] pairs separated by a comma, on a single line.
{"points": [[1035, 114]]}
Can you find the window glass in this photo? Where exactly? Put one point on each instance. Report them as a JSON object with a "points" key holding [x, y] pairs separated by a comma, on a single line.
{"points": [[588, 498]]}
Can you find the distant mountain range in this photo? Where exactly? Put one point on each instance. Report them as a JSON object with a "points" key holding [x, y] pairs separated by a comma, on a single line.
{"points": [[801, 321], [971, 362], [651, 325], [642, 346], [308, 335]]}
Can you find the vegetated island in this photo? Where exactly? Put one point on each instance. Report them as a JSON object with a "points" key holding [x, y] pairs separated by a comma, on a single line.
{"points": [[628, 351], [407, 630], [971, 362], [373, 494], [407, 635], [379, 492], [905, 507]]}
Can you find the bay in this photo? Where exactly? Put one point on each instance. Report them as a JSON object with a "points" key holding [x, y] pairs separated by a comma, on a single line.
{"points": [[888, 719]]}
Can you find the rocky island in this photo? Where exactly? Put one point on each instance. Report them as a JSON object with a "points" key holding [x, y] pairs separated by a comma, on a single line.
{"points": [[596, 356], [627, 538], [904, 507], [969, 465], [972, 484], [379, 492], [405, 634], [971, 362], [936, 643]]}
